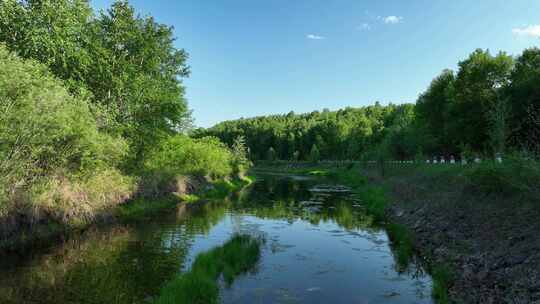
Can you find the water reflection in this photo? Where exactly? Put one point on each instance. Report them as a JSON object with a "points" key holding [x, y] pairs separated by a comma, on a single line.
{"points": [[321, 247], [119, 265]]}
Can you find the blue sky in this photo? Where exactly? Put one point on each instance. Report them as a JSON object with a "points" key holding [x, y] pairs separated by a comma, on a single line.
{"points": [[255, 57]]}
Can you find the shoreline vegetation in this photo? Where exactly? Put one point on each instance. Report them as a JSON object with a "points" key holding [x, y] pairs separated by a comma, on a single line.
{"points": [[201, 284], [473, 240], [94, 122], [136, 209]]}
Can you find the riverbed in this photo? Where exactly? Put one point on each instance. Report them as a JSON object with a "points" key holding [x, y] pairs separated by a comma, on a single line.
{"points": [[319, 246]]}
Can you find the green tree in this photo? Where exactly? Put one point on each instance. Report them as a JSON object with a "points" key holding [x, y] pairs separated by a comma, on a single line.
{"points": [[524, 100], [479, 81], [54, 32], [127, 63], [499, 130], [240, 155], [314, 154], [296, 156], [432, 113], [271, 154]]}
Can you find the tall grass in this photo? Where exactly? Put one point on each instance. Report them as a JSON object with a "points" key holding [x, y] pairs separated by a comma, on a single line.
{"points": [[200, 285], [516, 176], [442, 276]]}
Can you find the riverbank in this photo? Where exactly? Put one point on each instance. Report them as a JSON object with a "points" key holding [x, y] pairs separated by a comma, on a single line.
{"points": [[475, 230], [137, 207]]}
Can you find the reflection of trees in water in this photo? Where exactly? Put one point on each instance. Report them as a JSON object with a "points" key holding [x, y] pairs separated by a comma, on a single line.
{"points": [[120, 265], [279, 198]]}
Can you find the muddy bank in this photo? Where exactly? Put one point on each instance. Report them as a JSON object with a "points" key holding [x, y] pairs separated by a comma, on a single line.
{"points": [[490, 243]]}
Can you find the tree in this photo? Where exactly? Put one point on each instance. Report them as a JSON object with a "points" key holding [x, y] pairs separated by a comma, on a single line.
{"points": [[127, 64], [480, 79], [271, 154], [499, 129], [240, 155], [138, 75], [432, 113], [314, 155], [54, 32], [296, 156], [524, 100]]}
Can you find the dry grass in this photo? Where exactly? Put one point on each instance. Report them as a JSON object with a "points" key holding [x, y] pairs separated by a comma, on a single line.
{"points": [[70, 202]]}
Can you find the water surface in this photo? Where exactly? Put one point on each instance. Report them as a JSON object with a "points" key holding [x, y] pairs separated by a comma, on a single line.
{"points": [[320, 247]]}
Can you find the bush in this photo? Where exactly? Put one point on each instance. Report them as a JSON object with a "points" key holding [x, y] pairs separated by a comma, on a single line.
{"points": [[516, 175], [43, 129], [54, 162], [182, 155]]}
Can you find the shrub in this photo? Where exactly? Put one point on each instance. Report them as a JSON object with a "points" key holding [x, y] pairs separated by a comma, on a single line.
{"points": [[43, 129], [516, 175], [182, 155], [54, 161]]}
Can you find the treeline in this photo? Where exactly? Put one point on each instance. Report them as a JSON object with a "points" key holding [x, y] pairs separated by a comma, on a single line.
{"points": [[489, 106], [92, 111]]}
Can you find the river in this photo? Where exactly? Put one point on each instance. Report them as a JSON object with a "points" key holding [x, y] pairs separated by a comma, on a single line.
{"points": [[320, 247]]}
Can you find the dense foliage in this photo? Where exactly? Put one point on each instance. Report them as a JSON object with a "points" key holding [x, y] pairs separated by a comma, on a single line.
{"points": [[490, 105], [51, 150], [181, 154], [91, 106], [127, 64], [44, 129]]}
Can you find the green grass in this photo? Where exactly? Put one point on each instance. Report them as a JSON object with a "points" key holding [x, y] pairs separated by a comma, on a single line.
{"points": [[200, 285], [402, 242], [442, 276], [141, 209], [218, 190], [189, 198], [318, 172], [224, 188]]}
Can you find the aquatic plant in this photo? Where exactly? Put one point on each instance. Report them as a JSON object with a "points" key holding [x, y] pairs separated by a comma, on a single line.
{"points": [[200, 285], [442, 276]]}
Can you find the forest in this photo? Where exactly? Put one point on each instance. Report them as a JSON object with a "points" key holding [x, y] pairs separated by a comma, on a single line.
{"points": [[489, 106]]}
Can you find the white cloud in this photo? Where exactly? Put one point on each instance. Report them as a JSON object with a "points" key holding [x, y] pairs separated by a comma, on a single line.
{"points": [[315, 37], [529, 31], [364, 27], [392, 19]]}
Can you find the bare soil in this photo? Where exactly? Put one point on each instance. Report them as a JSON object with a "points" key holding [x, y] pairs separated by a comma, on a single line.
{"points": [[492, 243]]}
